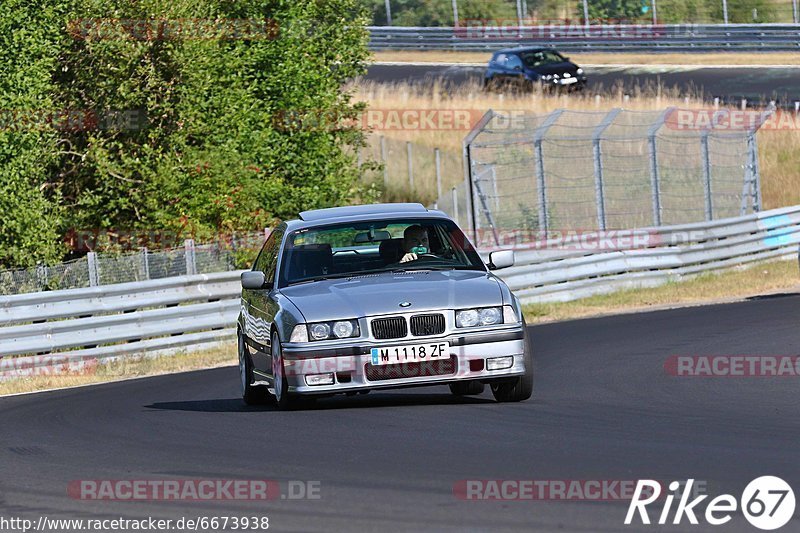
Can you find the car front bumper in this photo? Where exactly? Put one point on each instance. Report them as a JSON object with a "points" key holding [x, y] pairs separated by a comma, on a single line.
{"points": [[352, 369]]}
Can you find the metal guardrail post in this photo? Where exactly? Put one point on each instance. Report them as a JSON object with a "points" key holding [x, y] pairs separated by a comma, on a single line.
{"points": [[598, 166], [191, 262], [655, 182], [94, 274], [541, 186], [706, 175]]}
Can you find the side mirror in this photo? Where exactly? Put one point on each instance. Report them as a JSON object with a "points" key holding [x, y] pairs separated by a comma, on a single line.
{"points": [[254, 279], [501, 259]]}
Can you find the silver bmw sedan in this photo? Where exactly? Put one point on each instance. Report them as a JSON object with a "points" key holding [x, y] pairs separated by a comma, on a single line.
{"points": [[353, 299]]}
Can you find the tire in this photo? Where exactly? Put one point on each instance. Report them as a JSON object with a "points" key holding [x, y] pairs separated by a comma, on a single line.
{"points": [[283, 398], [251, 394], [466, 388], [519, 388]]}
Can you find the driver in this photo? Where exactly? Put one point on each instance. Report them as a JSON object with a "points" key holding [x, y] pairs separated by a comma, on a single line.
{"points": [[415, 242]]}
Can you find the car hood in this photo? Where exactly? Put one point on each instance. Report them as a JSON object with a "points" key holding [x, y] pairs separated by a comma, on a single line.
{"points": [[378, 294], [555, 68]]}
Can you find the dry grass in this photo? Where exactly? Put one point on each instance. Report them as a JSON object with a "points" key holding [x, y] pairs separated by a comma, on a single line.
{"points": [[702, 59], [765, 278], [779, 150], [222, 355]]}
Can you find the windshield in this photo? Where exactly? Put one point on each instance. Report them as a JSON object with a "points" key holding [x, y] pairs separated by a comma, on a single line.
{"points": [[346, 250], [541, 57]]}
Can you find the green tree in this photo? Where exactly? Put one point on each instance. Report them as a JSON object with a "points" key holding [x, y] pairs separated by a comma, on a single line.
{"points": [[180, 130], [29, 213]]}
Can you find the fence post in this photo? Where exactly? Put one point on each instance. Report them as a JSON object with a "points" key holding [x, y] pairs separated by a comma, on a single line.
{"points": [[598, 167], [538, 136], [469, 194], [755, 172], [706, 175], [191, 263], [410, 167], [94, 274], [438, 169], [145, 263], [42, 275], [454, 196], [655, 181], [383, 162]]}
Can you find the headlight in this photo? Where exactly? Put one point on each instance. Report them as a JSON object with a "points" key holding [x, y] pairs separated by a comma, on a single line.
{"points": [[339, 329], [487, 316], [490, 315], [343, 329], [580, 71], [319, 331]]}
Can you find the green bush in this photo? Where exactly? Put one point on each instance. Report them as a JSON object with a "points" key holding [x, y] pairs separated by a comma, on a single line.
{"points": [[183, 134]]}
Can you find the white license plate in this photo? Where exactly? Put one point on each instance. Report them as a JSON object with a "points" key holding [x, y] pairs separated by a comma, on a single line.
{"points": [[567, 81], [410, 353]]}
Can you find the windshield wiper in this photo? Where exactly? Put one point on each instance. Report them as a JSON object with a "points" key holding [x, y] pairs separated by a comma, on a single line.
{"points": [[423, 268], [320, 278]]}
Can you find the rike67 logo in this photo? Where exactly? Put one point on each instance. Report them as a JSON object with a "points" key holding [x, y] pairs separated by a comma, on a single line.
{"points": [[767, 503]]}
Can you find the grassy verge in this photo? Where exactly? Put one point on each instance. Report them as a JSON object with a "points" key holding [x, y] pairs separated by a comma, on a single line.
{"points": [[765, 278], [701, 59], [222, 355]]}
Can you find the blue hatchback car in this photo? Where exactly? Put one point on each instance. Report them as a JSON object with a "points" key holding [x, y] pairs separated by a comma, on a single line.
{"points": [[526, 67]]}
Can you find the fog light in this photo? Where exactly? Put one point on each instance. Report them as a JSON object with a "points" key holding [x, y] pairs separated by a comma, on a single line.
{"points": [[319, 379], [499, 363]]}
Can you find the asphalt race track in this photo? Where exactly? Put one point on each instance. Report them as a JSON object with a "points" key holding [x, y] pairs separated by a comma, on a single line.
{"points": [[603, 409], [729, 84]]}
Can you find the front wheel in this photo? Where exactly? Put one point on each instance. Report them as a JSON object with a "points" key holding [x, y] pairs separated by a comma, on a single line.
{"points": [[519, 388], [283, 398], [251, 394]]}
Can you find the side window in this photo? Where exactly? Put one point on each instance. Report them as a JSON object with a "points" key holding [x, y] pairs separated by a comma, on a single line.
{"points": [[268, 258], [513, 61]]}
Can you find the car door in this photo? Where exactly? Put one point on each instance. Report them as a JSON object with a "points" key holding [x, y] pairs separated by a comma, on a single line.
{"points": [[261, 304], [514, 72], [497, 72]]}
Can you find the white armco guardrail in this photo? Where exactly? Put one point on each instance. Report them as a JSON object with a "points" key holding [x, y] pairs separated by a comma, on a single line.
{"points": [[69, 327], [77, 325], [567, 269]]}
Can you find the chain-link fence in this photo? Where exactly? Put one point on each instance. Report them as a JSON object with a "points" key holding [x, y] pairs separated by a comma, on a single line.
{"points": [[410, 170], [98, 268], [573, 170]]}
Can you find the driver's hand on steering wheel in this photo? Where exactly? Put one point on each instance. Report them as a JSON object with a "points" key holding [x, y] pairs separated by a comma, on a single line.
{"points": [[409, 257]]}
